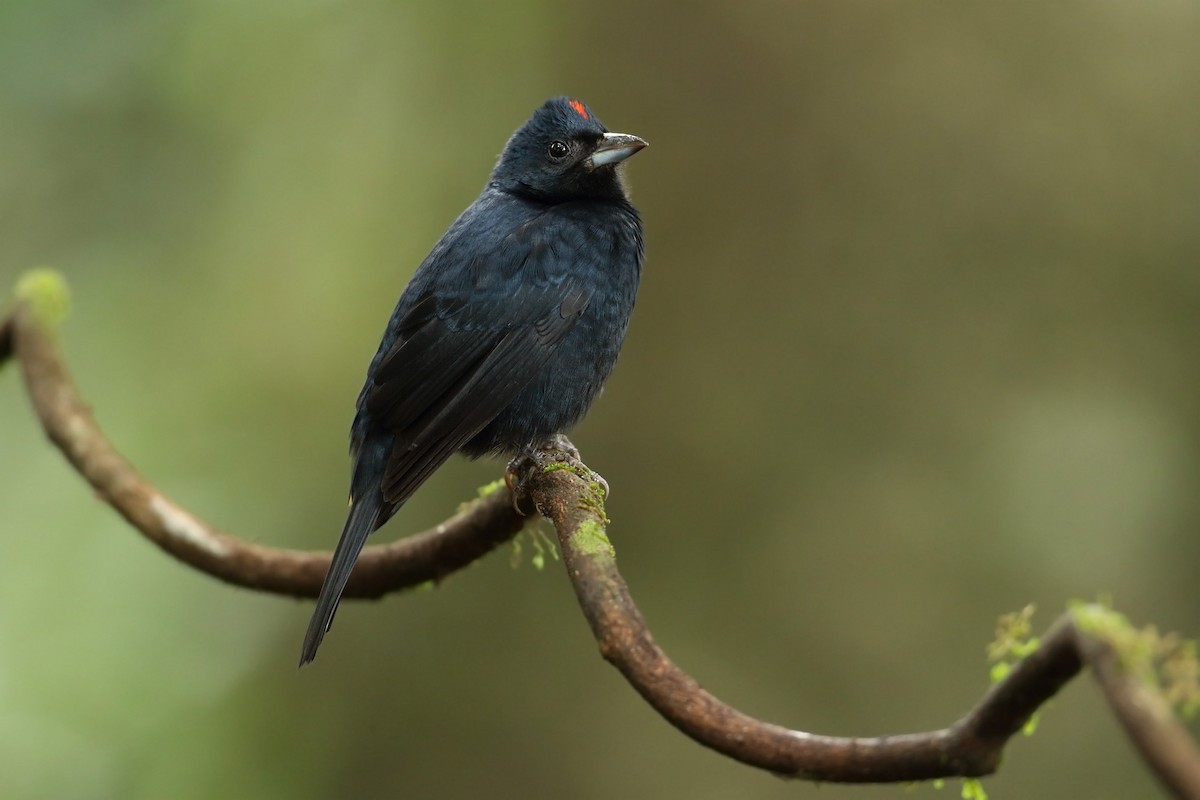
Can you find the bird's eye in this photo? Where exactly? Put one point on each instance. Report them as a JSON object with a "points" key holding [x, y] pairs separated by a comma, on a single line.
{"points": [[558, 149]]}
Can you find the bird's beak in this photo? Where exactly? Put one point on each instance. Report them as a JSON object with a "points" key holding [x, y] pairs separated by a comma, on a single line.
{"points": [[615, 148]]}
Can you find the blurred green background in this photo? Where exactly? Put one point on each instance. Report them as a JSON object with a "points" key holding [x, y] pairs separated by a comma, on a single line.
{"points": [[918, 343]]}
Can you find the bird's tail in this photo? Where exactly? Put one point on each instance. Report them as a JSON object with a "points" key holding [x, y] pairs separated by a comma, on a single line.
{"points": [[363, 519]]}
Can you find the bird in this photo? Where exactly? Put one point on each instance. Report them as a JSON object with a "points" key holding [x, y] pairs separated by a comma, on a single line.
{"points": [[505, 333]]}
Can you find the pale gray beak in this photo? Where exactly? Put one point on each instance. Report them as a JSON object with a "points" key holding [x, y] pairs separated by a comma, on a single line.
{"points": [[615, 148]]}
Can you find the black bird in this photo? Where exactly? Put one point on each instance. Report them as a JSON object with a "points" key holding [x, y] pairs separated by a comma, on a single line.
{"points": [[506, 332]]}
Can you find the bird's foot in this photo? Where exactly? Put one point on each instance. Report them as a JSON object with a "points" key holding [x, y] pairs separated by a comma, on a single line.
{"points": [[557, 452]]}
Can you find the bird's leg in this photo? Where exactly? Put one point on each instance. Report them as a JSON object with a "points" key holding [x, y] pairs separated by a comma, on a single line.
{"points": [[558, 449], [543, 456]]}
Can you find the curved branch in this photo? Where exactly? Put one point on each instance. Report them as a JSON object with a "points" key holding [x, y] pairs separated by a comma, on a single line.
{"points": [[970, 747], [482, 525]]}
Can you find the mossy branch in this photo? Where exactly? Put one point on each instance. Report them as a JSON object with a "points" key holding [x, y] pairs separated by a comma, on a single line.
{"points": [[1087, 635], [970, 747]]}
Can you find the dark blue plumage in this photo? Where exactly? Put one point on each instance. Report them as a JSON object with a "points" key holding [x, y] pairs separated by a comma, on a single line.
{"points": [[507, 330]]}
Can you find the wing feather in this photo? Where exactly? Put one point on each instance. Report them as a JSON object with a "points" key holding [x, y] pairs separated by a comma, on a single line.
{"points": [[454, 368]]}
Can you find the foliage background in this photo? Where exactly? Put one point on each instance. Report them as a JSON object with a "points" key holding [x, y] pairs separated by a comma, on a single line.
{"points": [[916, 345]]}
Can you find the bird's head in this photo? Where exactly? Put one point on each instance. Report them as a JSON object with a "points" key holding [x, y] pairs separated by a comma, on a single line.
{"points": [[564, 153]]}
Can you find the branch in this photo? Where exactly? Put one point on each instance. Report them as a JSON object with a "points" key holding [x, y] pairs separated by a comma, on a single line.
{"points": [[27, 334], [970, 747]]}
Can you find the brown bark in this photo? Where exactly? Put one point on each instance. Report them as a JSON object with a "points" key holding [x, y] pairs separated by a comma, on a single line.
{"points": [[972, 746]]}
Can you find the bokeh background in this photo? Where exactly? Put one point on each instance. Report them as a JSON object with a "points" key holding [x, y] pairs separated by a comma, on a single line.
{"points": [[918, 343]]}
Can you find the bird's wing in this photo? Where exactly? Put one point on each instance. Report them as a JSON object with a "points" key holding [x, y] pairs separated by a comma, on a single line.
{"points": [[456, 365], [452, 368]]}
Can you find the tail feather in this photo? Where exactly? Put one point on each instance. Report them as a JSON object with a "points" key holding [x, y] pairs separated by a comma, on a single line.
{"points": [[363, 519]]}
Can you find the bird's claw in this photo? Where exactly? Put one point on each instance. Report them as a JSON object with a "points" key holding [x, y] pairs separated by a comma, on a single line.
{"points": [[514, 478], [556, 450]]}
